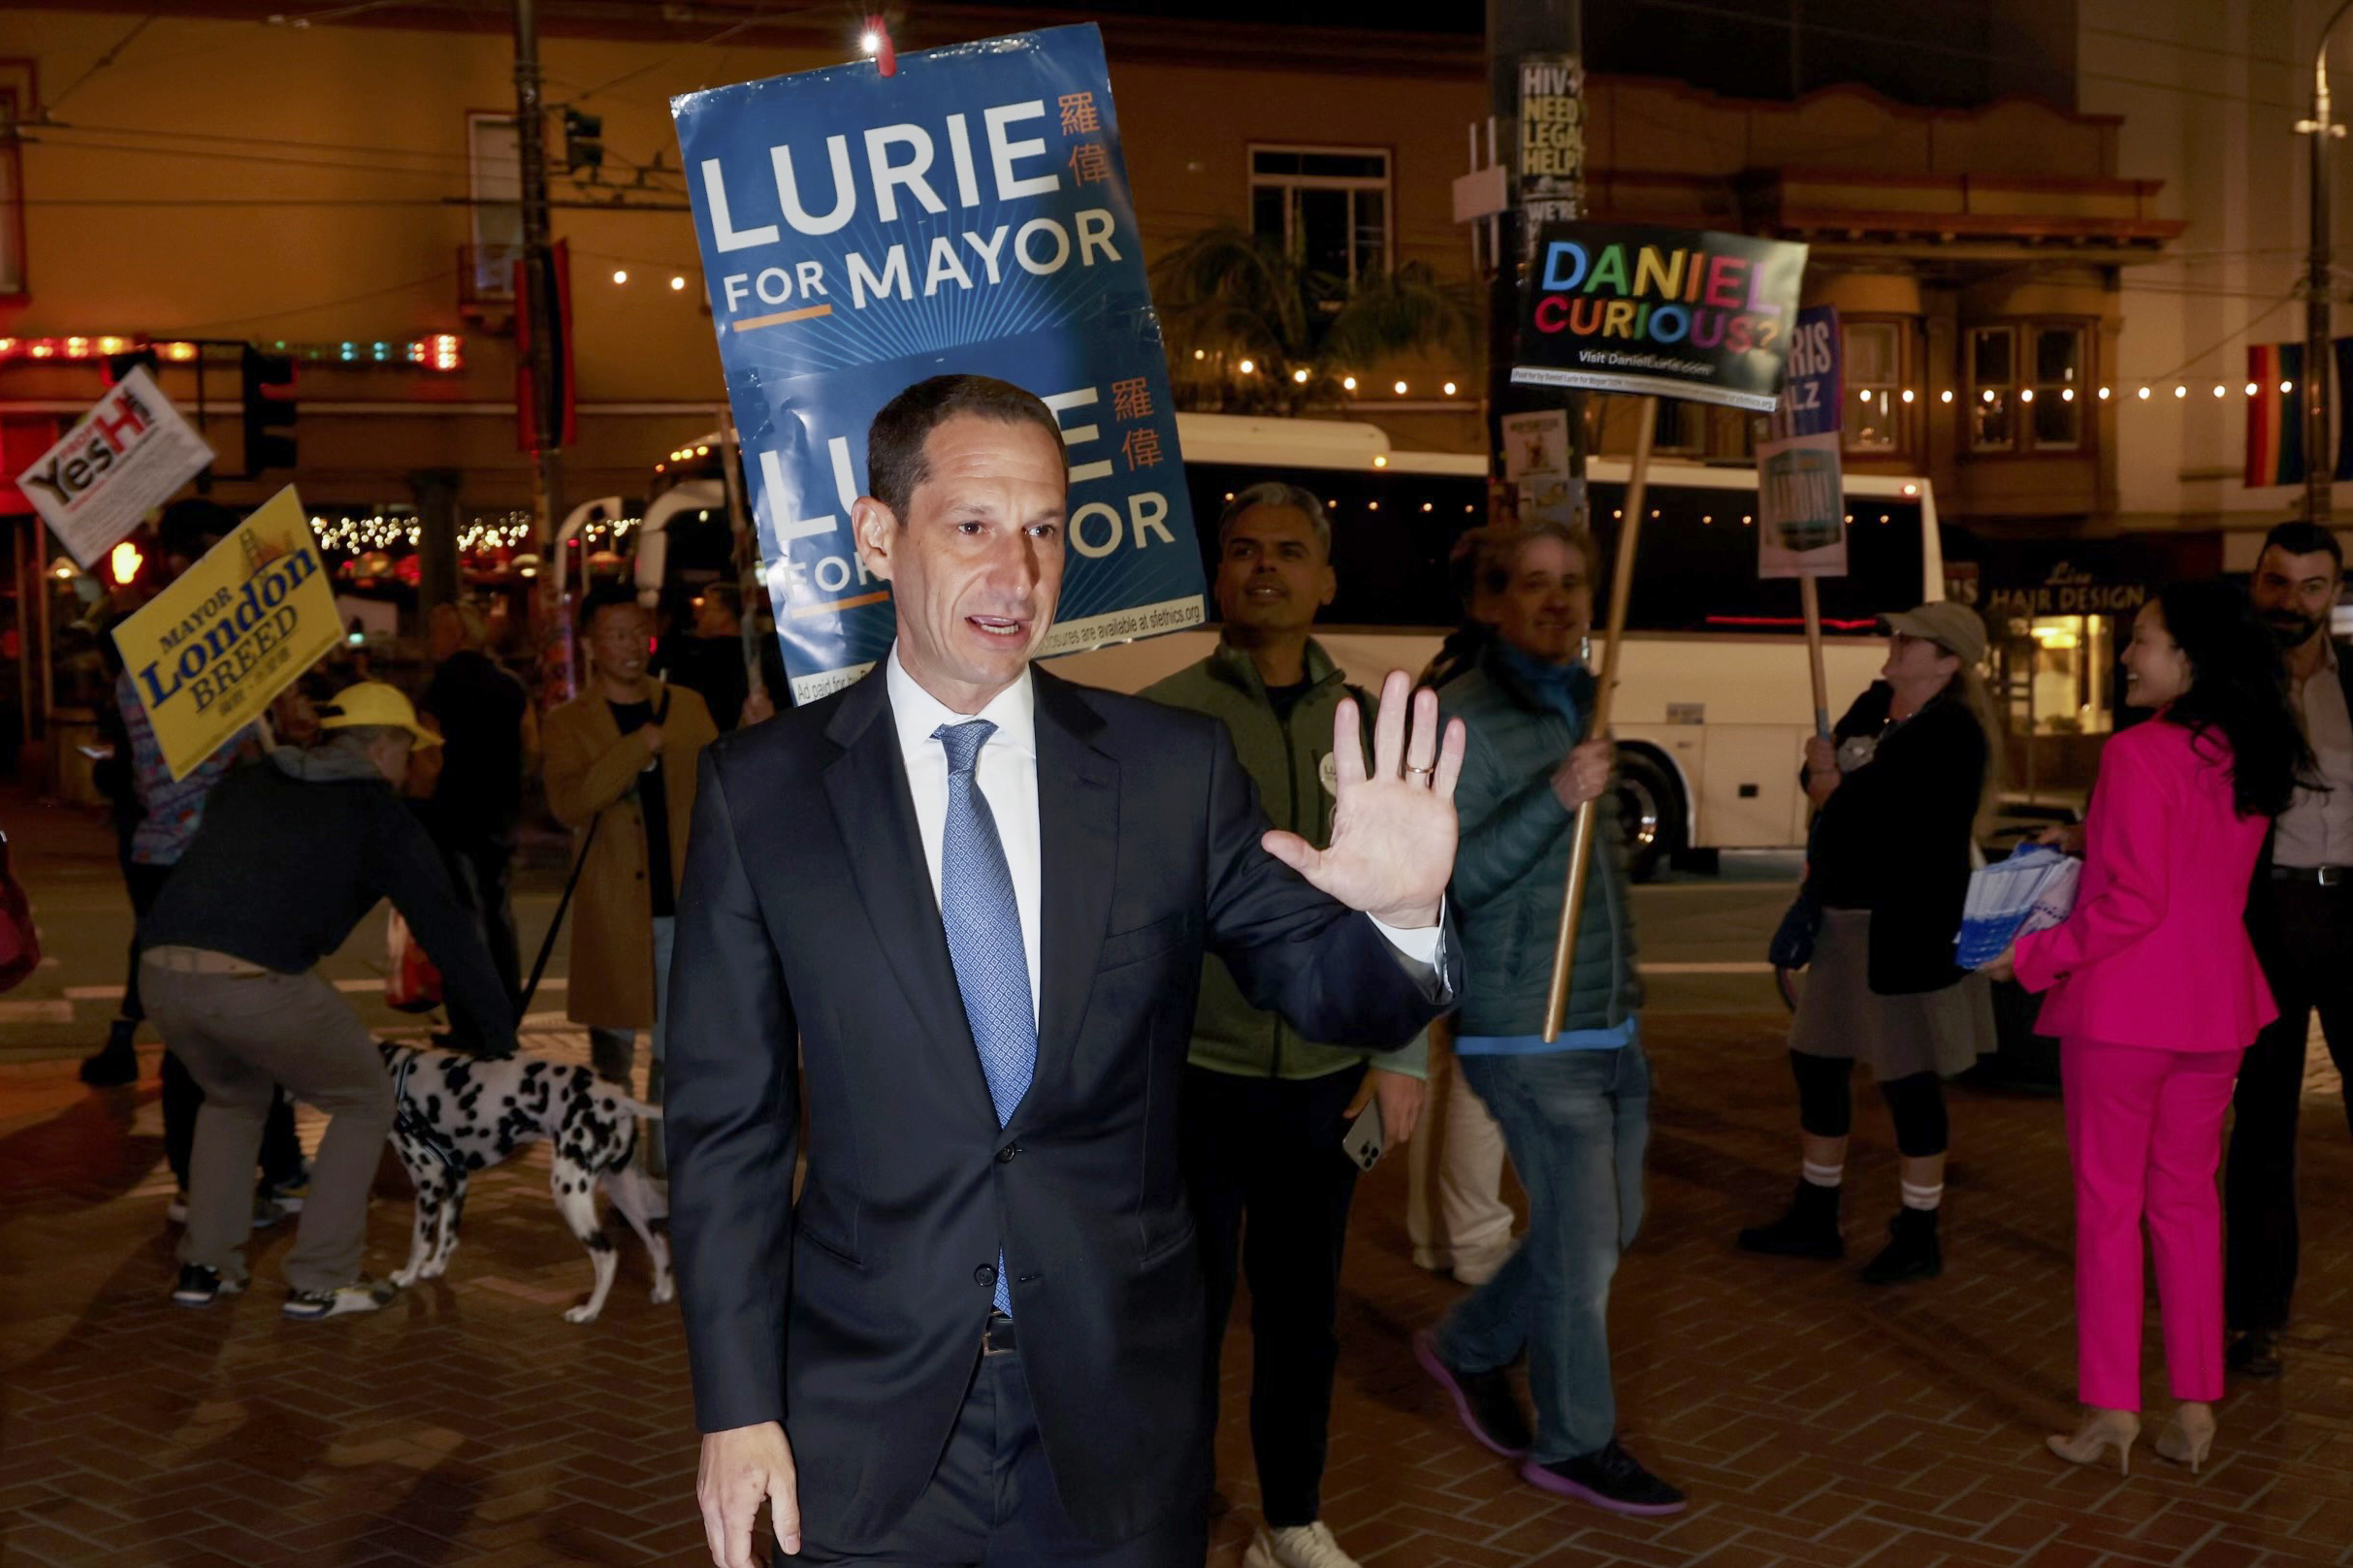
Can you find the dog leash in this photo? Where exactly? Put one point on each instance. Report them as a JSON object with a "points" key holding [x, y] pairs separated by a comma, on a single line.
{"points": [[547, 944]]}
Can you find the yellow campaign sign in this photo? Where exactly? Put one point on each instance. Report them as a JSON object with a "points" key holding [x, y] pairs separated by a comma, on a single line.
{"points": [[208, 653]]}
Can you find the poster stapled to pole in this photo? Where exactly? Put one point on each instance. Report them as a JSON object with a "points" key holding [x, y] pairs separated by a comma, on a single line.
{"points": [[970, 213]]}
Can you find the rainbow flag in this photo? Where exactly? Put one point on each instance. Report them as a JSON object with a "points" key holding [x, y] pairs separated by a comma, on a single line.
{"points": [[2275, 419]]}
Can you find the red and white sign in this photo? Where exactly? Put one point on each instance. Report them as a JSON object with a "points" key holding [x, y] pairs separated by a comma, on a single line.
{"points": [[120, 461]]}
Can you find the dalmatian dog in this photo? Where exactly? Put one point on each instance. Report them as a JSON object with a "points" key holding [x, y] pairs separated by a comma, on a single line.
{"points": [[457, 1114]]}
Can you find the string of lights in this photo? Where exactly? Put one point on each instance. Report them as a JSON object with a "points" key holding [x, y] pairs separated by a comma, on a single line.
{"points": [[362, 534]]}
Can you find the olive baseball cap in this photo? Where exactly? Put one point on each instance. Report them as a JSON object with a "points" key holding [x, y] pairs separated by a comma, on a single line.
{"points": [[1955, 627]]}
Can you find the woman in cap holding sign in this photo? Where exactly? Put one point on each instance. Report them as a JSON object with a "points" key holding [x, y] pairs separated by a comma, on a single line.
{"points": [[1900, 788], [2155, 995]]}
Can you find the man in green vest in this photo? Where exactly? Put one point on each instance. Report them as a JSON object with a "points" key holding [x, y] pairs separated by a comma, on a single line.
{"points": [[1265, 1110]]}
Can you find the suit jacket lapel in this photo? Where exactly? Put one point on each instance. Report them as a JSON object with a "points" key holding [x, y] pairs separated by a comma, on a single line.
{"points": [[875, 809], [1079, 854]]}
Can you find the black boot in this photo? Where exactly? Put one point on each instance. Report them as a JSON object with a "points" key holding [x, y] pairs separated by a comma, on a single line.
{"points": [[116, 1062], [1912, 1252], [1809, 1229]]}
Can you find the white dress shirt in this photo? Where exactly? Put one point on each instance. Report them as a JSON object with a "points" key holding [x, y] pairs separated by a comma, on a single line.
{"points": [[1006, 773], [2317, 828]]}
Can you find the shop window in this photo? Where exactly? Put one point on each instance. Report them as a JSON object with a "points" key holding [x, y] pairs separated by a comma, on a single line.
{"points": [[12, 193], [2069, 675], [1992, 389], [1682, 430], [1874, 371], [1328, 206], [2027, 387]]}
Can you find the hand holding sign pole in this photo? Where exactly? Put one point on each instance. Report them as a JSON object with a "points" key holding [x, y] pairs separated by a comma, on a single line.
{"points": [[1634, 308]]}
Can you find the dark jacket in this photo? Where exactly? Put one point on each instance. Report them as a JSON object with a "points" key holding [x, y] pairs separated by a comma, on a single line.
{"points": [[811, 960], [1289, 760], [1511, 871], [1894, 837], [294, 852]]}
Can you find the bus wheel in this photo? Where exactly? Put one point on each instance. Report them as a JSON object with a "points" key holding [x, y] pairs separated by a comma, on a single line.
{"points": [[1650, 811]]}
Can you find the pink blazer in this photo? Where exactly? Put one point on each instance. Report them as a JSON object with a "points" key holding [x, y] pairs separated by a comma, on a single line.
{"points": [[2156, 952]]}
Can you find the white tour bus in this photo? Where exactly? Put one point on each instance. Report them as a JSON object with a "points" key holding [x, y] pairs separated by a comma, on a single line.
{"points": [[1714, 703]]}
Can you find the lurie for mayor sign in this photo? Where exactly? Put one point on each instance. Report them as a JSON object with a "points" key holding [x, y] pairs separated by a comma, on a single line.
{"points": [[1676, 312], [861, 232]]}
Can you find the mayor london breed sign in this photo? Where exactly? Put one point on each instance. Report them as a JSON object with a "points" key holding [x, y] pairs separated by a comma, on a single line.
{"points": [[860, 233]]}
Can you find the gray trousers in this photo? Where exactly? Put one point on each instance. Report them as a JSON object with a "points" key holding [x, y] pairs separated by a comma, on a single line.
{"points": [[613, 1052], [239, 1034]]}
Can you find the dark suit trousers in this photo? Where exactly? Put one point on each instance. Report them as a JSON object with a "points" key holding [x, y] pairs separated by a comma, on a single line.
{"points": [[2304, 937], [1271, 1190], [992, 1504]]}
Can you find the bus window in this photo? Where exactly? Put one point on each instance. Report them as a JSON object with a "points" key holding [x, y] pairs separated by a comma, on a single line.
{"points": [[1391, 536], [1696, 567]]}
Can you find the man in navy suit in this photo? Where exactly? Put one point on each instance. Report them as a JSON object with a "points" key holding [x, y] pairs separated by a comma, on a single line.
{"points": [[962, 906]]}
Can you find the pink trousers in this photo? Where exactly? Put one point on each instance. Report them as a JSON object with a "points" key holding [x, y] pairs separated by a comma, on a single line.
{"points": [[2145, 1131]]}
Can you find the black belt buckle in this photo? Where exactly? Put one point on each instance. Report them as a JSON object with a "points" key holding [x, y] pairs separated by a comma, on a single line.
{"points": [[997, 1335], [2317, 876]]}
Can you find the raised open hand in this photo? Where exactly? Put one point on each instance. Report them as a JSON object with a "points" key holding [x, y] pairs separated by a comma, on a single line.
{"points": [[1393, 831]]}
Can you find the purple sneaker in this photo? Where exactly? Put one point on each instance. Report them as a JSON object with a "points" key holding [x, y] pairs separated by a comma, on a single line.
{"points": [[1607, 1478], [1484, 1401]]}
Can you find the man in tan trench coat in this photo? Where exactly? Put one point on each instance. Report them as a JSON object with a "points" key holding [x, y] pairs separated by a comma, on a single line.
{"points": [[620, 756]]}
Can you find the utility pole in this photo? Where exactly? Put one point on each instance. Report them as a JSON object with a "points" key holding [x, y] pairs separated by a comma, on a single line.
{"points": [[546, 323], [2317, 354], [1535, 73]]}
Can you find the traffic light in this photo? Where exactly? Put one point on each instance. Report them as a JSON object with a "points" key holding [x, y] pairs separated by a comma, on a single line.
{"points": [[269, 407], [120, 366], [583, 140]]}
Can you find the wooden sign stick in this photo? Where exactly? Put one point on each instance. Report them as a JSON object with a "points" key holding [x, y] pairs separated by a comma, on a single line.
{"points": [[1621, 590], [1809, 595]]}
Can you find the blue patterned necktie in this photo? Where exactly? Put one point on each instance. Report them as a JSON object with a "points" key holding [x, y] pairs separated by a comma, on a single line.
{"points": [[985, 938]]}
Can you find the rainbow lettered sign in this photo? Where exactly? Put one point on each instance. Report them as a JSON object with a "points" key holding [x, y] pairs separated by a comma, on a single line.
{"points": [[1675, 312]]}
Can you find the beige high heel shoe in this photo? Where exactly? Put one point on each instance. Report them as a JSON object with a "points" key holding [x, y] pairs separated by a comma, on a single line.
{"points": [[2102, 1429], [2189, 1437]]}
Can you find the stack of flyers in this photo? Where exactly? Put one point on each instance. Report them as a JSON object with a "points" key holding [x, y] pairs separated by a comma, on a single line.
{"points": [[2030, 891]]}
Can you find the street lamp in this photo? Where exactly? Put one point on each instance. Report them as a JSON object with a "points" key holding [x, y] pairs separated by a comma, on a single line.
{"points": [[2322, 130]]}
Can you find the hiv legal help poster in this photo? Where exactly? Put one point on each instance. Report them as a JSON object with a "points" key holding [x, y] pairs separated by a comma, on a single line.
{"points": [[1675, 312], [861, 232], [208, 653], [121, 460], [1801, 502]]}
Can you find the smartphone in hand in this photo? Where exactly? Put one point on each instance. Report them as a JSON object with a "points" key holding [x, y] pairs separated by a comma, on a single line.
{"points": [[1363, 1143]]}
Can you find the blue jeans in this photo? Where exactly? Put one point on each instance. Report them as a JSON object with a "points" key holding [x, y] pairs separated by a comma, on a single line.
{"points": [[614, 1051], [1577, 1124]]}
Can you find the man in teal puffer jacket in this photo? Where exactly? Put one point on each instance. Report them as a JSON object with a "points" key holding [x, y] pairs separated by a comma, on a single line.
{"points": [[1575, 1112], [1265, 1109]]}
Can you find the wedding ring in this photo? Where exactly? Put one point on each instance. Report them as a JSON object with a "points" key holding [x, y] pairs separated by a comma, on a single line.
{"points": [[1424, 772]]}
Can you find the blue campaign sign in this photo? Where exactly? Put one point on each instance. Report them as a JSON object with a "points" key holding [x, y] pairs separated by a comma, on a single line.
{"points": [[861, 232], [1813, 400]]}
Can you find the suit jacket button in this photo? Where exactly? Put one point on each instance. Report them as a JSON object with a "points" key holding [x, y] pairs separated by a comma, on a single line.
{"points": [[985, 1275], [1005, 1154]]}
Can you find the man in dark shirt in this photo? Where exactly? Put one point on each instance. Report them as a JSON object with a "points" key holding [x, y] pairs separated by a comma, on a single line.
{"points": [[711, 660], [486, 735], [291, 855]]}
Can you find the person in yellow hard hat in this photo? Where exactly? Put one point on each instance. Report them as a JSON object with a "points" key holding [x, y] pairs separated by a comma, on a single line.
{"points": [[290, 856]]}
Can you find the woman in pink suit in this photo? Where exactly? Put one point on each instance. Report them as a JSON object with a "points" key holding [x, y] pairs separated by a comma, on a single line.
{"points": [[2155, 995]]}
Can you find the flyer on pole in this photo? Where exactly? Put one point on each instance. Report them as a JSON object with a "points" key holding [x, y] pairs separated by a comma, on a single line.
{"points": [[208, 653], [120, 461], [970, 213], [1801, 508]]}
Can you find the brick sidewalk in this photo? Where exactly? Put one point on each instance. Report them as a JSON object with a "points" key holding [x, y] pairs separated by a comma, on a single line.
{"points": [[1815, 1423]]}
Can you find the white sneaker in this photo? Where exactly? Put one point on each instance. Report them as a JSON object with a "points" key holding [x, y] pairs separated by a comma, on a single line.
{"points": [[1296, 1546]]}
